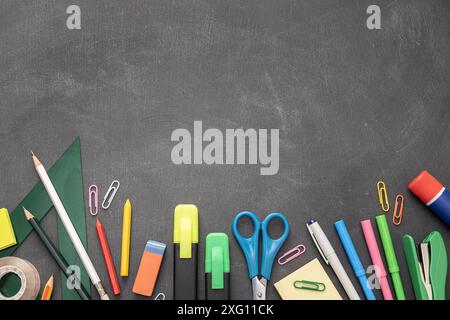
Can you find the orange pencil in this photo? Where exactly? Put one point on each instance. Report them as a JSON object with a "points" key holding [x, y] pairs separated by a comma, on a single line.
{"points": [[48, 289]]}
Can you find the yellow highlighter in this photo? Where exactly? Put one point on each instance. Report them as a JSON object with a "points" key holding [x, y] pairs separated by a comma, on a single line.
{"points": [[126, 234]]}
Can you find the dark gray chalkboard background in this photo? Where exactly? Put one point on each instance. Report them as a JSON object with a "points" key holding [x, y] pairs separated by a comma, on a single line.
{"points": [[353, 106]]}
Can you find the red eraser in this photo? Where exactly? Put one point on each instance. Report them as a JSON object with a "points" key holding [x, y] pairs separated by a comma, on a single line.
{"points": [[425, 186]]}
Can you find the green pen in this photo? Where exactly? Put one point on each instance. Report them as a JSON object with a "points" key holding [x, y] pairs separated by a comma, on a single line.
{"points": [[391, 259]]}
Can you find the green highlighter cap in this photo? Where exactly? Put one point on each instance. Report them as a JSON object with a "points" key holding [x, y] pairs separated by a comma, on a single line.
{"points": [[391, 258], [217, 258]]}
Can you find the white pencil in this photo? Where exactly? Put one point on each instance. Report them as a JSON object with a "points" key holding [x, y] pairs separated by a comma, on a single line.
{"points": [[69, 228]]}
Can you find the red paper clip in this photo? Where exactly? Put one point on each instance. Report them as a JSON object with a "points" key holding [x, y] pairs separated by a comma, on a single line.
{"points": [[398, 210], [292, 254]]}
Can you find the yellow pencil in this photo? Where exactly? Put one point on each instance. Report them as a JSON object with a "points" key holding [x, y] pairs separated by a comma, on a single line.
{"points": [[126, 233], [48, 289]]}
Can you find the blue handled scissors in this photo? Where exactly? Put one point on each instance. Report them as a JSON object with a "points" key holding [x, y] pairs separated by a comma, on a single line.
{"points": [[250, 248]]}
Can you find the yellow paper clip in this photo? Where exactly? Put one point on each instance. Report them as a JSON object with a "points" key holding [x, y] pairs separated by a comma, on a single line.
{"points": [[398, 210], [382, 196], [309, 285]]}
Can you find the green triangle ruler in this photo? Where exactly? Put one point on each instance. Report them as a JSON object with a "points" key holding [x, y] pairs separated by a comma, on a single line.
{"points": [[66, 175]]}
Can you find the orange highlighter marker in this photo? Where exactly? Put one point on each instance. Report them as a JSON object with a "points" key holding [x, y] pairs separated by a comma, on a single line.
{"points": [[149, 268]]}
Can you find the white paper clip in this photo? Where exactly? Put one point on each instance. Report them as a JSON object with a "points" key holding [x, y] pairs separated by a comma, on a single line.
{"points": [[109, 196], [292, 254], [160, 296], [93, 200]]}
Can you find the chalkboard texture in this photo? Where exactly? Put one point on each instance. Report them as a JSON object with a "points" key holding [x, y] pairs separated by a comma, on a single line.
{"points": [[352, 105]]}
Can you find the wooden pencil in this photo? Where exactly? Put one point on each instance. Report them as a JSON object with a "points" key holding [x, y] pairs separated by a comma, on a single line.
{"points": [[57, 256], [48, 289]]}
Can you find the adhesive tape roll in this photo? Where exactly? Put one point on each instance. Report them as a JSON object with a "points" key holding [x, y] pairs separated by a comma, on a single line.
{"points": [[30, 281]]}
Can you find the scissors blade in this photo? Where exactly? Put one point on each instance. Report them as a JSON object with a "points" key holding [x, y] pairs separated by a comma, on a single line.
{"points": [[259, 288]]}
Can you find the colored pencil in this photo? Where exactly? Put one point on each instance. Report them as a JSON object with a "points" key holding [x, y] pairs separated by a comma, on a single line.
{"points": [[48, 289], [110, 268], [126, 234], [57, 256]]}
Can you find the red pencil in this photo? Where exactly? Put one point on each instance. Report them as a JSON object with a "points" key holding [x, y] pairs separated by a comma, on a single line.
{"points": [[115, 286]]}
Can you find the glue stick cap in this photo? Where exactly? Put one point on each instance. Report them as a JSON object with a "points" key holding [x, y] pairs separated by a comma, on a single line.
{"points": [[425, 187]]}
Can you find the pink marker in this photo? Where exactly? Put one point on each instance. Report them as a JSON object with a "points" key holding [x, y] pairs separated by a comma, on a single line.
{"points": [[374, 252]]}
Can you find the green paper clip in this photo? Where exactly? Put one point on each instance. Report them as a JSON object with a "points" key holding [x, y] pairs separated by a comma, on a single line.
{"points": [[309, 285]]}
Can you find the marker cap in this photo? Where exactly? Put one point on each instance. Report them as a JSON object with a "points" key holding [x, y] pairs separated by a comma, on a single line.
{"points": [[425, 186], [185, 229], [386, 240], [217, 258]]}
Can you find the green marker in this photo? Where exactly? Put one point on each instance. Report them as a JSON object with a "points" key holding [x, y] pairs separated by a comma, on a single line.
{"points": [[217, 267], [391, 259]]}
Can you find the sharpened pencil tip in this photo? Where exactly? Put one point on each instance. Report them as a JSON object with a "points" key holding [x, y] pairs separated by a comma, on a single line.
{"points": [[127, 204], [28, 214], [35, 159], [50, 281]]}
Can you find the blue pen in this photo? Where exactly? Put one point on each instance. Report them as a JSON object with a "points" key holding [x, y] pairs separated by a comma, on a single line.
{"points": [[352, 255]]}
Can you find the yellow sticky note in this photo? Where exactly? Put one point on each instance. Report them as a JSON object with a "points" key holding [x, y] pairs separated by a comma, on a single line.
{"points": [[7, 237], [312, 271]]}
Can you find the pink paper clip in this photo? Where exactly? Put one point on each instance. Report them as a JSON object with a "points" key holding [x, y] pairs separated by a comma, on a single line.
{"points": [[93, 200], [292, 254]]}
